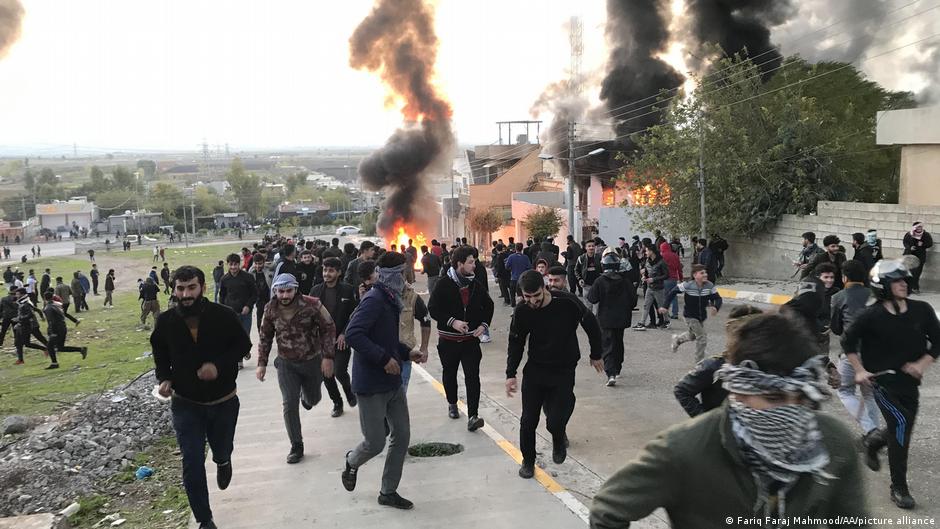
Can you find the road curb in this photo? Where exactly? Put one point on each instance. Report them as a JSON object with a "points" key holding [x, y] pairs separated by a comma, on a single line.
{"points": [[755, 297]]}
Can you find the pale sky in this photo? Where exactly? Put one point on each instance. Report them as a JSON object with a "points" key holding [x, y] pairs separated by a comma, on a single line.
{"points": [[145, 74], [166, 74]]}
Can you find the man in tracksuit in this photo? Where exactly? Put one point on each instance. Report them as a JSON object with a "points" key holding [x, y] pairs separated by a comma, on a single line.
{"points": [[547, 321], [613, 294], [463, 311], [306, 338], [339, 299], [700, 296], [888, 347], [847, 304], [57, 331]]}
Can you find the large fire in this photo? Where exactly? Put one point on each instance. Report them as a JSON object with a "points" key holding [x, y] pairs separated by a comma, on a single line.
{"points": [[400, 236]]}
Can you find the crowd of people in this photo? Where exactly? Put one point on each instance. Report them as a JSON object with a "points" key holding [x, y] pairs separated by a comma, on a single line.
{"points": [[331, 310]]}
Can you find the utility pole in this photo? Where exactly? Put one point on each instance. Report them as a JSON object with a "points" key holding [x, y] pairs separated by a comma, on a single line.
{"points": [[23, 203], [570, 188], [140, 239], [701, 174], [192, 210], [205, 159]]}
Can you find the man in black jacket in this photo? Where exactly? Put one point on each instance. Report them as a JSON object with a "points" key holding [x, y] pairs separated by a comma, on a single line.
{"points": [[366, 253], [613, 294], [588, 269], [217, 274], [286, 264], [548, 321], [571, 254], [431, 267], [149, 302], [164, 276], [8, 311], [305, 271], [201, 381], [44, 283], [463, 311], [864, 253], [262, 286], [27, 326], [57, 331], [502, 274], [238, 291], [339, 298]]}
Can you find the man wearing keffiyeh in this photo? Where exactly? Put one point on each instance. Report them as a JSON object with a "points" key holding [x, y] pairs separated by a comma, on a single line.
{"points": [[774, 454]]}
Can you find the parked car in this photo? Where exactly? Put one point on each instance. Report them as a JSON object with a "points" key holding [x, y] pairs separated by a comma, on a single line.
{"points": [[347, 230]]}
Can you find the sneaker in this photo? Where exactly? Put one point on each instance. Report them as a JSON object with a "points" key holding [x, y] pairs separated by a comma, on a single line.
{"points": [[474, 424], [349, 475], [611, 381], [664, 326], [673, 316], [84, 352], [872, 442], [52, 366], [208, 525], [675, 343], [559, 452], [351, 399], [296, 453], [639, 327], [18, 363], [527, 470], [902, 498], [452, 411], [394, 500], [337, 410], [223, 475]]}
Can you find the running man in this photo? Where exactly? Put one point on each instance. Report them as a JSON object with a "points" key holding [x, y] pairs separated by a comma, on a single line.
{"points": [[339, 298], [701, 297], [306, 337], [888, 348], [57, 331], [548, 321]]}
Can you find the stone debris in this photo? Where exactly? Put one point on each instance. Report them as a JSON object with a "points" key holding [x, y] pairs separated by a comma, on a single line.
{"points": [[74, 454]]}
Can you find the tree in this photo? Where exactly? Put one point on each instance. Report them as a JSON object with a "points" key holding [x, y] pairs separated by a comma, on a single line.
{"points": [[208, 202], [47, 177], [246, 188], [12, 207], [167, 199], [123, 178], [486, 221], [147, 167], [29, 181], [767, 148], [543, 222], [98, 181], [115, 201], [294, 181]]}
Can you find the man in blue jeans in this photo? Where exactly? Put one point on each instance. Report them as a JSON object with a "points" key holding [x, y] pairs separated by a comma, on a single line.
{"points": [[238, 292], [201, 381]]}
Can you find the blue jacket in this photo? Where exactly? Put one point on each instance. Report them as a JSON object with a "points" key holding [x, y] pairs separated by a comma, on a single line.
{"points": [[697, 300], [517, 263], [372, 332]]}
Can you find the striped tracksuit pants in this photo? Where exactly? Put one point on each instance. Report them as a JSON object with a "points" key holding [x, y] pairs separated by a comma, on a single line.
{"points": [[898, 404]]}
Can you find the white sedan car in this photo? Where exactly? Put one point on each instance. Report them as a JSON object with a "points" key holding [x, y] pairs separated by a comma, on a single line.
{"points": [[347, 230]]}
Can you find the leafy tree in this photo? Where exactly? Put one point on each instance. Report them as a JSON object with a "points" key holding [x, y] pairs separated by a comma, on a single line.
{"points": [[767, 149], [208, 202], [246, 188], [295, 181], [115, 201], [543, 222], [47, 177], [148, 168], [123, 178], [29, 181], [98, 181], [12, 207], [368, 222], [167, 199], [486, 221]]}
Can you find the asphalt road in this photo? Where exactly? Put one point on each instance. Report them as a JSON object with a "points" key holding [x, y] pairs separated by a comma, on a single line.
{"points": [[611, 424]]}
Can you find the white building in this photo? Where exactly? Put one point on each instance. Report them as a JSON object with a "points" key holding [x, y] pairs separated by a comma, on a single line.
{"points": [[76, 212]]}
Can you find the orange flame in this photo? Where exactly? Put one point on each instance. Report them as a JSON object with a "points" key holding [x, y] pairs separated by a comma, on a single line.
{"points": [[400, 235]]}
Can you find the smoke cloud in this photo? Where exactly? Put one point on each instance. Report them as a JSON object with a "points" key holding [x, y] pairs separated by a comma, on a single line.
{"points": [[637, 31], [11, 21], [398, 41], [737, 26]]}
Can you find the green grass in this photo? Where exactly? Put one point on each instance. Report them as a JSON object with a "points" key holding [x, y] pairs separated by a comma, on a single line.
{"points": [[113, 348], [205, 257], [144, 501]]}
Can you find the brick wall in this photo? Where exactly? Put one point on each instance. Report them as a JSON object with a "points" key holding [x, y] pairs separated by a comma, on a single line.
{"points": [[769, 255]]}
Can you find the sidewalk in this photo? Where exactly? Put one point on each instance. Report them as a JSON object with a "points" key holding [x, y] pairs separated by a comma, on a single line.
{"points": [[476, 488], [776, 292]]}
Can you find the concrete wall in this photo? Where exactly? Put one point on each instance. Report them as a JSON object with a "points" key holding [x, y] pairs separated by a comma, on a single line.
{"points": [[770, 255], [920, 183], [499, 192]]}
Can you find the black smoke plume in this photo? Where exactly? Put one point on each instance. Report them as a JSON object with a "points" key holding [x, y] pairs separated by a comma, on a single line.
{"points": [[738, 26], [398, 40], [11, 21], [637, 31]]}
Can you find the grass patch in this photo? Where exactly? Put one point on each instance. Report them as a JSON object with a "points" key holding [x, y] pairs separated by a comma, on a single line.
{"points": [[144, 501]]}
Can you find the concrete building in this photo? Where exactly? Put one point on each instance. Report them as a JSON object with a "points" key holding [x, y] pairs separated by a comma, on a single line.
{"points": [[318, 210], [917, 131], [128, 223], [221, 221], [75, 212]]}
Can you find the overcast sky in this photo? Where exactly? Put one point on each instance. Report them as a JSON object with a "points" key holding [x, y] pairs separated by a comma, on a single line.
{"points": [[165, 74], [116, 74]]}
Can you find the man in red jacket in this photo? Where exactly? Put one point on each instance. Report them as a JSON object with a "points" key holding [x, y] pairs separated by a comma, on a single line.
{"points": [[675, 275]]}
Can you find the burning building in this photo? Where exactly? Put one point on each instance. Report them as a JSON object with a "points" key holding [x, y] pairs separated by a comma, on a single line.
{"points": [[398, 41]]}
